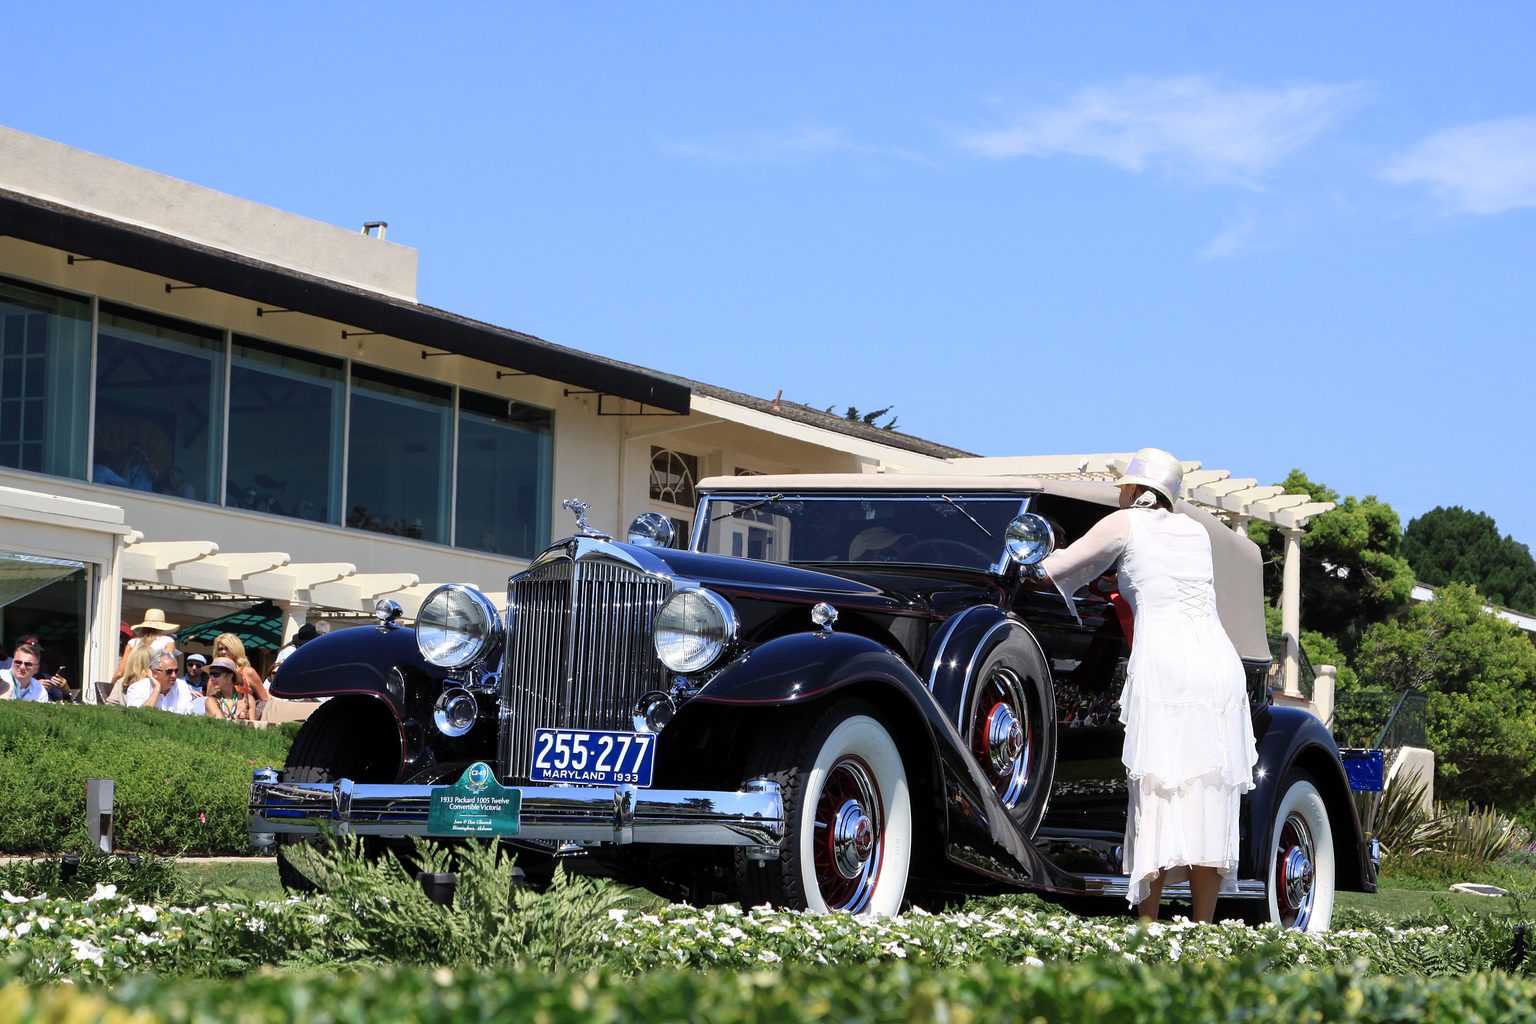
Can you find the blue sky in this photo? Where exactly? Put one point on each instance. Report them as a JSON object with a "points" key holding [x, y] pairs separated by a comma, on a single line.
{"points": [[1261, 236]]}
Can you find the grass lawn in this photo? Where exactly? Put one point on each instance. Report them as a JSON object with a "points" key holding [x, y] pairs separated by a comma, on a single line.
{"points": [[255, 878]]}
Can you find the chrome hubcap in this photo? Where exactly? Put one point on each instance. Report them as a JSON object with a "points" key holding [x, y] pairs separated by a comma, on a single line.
{"points": [[1298, 876], [1005, 738], [1294, 872], [853, 839]]}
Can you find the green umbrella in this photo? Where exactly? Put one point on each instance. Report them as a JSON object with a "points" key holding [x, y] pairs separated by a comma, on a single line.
{"points": [[259, 627]]}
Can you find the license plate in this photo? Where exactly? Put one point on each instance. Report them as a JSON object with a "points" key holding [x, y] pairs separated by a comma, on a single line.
{"points": [[593, 758]]}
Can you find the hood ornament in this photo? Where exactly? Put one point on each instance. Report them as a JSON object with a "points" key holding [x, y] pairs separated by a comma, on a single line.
{"points": [[583, 528]]}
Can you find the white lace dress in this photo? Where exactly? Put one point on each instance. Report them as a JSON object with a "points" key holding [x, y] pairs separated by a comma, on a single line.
{"points": [[1189, 749]]}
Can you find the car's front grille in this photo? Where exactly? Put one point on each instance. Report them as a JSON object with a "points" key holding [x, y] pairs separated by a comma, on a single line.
{"points": [[579, 651]]}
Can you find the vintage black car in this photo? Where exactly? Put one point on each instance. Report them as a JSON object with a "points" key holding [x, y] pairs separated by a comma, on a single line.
{"points": [[842, 692]]}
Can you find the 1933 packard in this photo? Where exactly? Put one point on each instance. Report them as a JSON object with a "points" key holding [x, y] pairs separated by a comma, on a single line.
{"points": [[842, 692]]}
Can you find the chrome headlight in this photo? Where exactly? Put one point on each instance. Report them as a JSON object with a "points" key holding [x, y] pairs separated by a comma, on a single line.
{"points": [[1029, 539], [457, 626], [651, 530], [693, 629]]}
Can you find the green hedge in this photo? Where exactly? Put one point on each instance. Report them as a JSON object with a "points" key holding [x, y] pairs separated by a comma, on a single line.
{"points": [[181, 781], [1090, 992]]}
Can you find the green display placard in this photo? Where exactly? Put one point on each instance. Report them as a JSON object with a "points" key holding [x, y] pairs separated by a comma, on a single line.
{"points": [[476, 805]]}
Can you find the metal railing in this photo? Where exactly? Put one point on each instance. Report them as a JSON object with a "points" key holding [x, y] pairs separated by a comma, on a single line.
{"points": [[1378, 720], [1304, 673]]}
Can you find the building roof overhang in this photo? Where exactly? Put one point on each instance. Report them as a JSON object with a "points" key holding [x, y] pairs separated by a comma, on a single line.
{"points": [[177, 259]]}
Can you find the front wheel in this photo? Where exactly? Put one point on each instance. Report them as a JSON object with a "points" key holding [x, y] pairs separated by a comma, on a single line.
{"points": [[332, 744], [847, 810], [1299, 886]]}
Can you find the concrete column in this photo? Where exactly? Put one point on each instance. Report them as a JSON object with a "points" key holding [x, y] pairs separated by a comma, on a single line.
{"points": [[1238, 522], [1324, 684], [1290, 608], [106, 611], [295, 614]]}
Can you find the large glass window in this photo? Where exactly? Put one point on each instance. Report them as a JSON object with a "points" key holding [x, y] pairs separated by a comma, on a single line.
{"points": [[505, 456], [287, 409], [45, 372], [400, 449], [159, 404]]}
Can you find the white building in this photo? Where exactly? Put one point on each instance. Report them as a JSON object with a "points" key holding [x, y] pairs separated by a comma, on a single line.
{"points": [[205, 401]]}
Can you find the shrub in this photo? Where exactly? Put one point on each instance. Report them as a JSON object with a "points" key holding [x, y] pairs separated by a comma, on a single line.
{"points": [[146, 879], [380, 906], [181, 781], [1249, 991]]}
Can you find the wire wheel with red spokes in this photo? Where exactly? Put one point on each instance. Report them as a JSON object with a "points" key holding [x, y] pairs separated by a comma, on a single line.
{"points": [[847, 813], [1002, 733]]}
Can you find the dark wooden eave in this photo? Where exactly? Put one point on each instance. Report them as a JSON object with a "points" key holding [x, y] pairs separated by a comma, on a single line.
{"points": [[176, 259]]}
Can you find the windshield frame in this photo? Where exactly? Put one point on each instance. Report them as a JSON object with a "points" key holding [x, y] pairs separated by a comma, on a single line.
{"points": [[704, 518]]}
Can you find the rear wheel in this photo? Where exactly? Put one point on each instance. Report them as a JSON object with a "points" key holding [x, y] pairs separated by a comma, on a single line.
{"points": [[848, 814], [1299, 885], [1011, 729]]}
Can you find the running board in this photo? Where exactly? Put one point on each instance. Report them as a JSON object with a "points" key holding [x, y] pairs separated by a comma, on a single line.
{"points": [[1119, 885]]}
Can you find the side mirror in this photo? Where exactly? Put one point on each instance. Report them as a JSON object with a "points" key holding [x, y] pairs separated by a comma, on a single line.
{"points": [[1029, 539], [651, 530]]}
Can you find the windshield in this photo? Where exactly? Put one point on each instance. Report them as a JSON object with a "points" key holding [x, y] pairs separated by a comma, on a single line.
{"points": [[920, 529]]}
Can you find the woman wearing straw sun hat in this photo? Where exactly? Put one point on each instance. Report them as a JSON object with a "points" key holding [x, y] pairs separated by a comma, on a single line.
{"points": [[154, 631], [1189, 748]]}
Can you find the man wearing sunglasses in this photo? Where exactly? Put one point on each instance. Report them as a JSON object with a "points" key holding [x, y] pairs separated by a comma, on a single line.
{"points": [[163, 689], [20, 680]]}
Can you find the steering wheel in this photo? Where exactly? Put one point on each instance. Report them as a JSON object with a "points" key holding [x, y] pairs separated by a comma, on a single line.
{"points": [[940, 544]]}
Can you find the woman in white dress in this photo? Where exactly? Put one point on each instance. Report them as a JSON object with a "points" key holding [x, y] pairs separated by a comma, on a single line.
{"points": [[1189, 748]]}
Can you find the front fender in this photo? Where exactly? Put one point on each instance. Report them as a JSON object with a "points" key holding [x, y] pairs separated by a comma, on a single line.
{"points": [[1290, 738], [804, 667], [980, 834], [355, 661]]}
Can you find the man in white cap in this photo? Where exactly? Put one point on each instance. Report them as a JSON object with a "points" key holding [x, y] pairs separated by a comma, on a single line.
{"points": [[196, 673]]}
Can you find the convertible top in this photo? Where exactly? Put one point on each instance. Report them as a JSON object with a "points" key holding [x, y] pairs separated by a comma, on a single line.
{"points": [[1239, 567], [928, 483]]}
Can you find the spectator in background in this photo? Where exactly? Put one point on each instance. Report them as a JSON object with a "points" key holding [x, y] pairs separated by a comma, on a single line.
{"points": [[247, 680], [135, 667], [163, 689], [222, 702], [305, 634], [21, 678], [155, 632], [196, 673]]}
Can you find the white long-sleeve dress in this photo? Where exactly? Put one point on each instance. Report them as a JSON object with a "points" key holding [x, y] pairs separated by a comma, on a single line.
{"points": [[1189, 748]]}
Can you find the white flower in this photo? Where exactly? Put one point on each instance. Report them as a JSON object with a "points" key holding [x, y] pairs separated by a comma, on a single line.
{"points": [[86, 950], [103, 892], [147, 914], [1034, 961], [6, 895], [24, 928]]}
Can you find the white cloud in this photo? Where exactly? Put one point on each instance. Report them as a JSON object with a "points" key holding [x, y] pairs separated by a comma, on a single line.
{"points": [[760, 148], [1187, 124], [1230, 241], [1479, 168]]}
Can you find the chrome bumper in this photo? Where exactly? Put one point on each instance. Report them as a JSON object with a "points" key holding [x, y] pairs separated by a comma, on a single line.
{"points": [[753, 818]]}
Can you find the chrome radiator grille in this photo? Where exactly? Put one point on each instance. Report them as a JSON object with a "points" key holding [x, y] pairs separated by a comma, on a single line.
{"points": [[579, 651]]}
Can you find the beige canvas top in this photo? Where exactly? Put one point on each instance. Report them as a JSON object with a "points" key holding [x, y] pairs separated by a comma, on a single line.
{"points": [[1236, 560], [931, 483]]}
